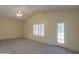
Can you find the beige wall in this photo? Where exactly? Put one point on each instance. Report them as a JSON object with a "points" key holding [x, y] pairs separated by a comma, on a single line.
{"points": [[50, 19], [10, 29]]}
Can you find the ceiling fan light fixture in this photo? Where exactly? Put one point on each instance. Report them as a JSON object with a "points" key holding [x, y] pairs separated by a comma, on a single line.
{"points": [[19, 13]]}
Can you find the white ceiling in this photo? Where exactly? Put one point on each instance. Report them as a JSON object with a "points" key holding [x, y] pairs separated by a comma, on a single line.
{"points": [[9, 11]]}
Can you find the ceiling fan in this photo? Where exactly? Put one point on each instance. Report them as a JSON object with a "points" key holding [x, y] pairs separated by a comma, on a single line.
{"points": [[23, 12]]}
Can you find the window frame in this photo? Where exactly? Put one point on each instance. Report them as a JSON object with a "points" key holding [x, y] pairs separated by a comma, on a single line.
{"points": [[60, 33], [38, 29]]}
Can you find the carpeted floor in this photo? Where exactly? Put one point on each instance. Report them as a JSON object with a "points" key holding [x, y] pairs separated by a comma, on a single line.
{"points": [[26, 46]]}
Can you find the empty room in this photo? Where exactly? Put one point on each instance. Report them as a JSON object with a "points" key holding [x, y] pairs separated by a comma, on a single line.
{"points": [[39, 29]]}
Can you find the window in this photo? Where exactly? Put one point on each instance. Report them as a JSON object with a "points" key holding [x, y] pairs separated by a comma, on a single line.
{"points": [[38, 29], [60, 33]]}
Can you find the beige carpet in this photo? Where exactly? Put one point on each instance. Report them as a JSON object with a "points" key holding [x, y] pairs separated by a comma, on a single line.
{"points": [[26, 46]]}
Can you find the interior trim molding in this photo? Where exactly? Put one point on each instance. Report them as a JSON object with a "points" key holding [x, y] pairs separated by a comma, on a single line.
{"points": [[12, 38]]}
